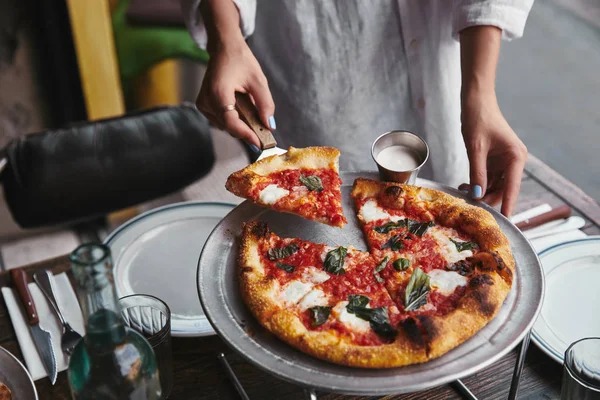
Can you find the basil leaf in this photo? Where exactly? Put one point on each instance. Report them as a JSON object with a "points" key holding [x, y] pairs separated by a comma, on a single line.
{"points": [[394, 243], [419, 228], [320, 315], [462, 246], [378, 319], [416, 291], [334, 260], [312, 182], [277, 253], [285, 267], [380, 268], [401, 264], [390, 226], [356, 301]]}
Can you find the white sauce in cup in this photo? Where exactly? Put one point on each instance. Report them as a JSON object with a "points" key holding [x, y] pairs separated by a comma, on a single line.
{"points": [[398, 158]]}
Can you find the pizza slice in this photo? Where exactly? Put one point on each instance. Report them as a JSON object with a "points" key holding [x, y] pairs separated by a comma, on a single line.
{"points": [[327, 301], [304, 182], [444, 262]]}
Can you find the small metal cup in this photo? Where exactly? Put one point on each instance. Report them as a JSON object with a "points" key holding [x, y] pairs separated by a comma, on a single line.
{"points": [[581, 370], [400, 138]]}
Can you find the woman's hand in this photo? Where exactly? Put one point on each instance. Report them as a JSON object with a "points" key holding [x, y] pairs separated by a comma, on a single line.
{"points": [[232, 68], [496, 155]]}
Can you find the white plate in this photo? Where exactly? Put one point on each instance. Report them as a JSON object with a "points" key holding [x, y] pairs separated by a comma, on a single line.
{"points": [[571, 310], [157, 253]]}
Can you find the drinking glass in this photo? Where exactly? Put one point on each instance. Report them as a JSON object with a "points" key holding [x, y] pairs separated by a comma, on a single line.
{"points": [[151, 317], [581, 370]]}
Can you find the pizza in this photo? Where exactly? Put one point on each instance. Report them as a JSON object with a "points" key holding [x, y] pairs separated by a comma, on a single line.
{"points": [[437, 271], [304, 182]]}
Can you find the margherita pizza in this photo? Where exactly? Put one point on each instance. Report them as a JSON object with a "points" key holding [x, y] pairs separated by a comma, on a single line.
{"points": [[304, 182], [438, 271]]}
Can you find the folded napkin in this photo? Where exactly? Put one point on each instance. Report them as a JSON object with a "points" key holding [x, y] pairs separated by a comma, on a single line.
{"points": [[67, 303], [543, 242]]}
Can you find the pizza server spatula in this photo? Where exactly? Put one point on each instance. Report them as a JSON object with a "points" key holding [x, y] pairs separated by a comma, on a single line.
{"points": [[249, 114]]}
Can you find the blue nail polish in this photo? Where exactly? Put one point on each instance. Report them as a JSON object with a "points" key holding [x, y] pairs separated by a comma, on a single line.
{"points": [[465, 191], [477, 192], [272, 123], [253, 148]]}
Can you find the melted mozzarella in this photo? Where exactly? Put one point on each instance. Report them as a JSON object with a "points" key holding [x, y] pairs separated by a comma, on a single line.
{"points": [[446, 282], [272, 193], [314, 275], [314, 298], [294, 291], [447, 248], [370, 211], [349, 319]]}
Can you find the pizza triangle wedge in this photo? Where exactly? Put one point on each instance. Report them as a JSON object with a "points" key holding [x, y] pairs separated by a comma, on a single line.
{"points": [[303, 182]]}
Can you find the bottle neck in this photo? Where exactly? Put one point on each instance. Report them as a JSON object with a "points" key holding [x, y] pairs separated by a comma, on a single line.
{"points": [[92, 268]]}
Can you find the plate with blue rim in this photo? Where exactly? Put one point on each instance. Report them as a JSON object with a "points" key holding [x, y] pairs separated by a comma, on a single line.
{"points": [[570, 309], [156, 253]]}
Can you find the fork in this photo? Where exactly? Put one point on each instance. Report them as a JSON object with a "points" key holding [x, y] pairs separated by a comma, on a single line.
{"points": [[70, 338]]}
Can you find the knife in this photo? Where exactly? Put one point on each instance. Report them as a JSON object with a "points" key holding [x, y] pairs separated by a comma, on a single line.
{"points": [[561, 212], [249, 114], [41, 338]]}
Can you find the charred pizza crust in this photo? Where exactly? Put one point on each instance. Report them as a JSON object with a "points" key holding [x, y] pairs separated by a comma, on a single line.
{"points": [[242, 182]]}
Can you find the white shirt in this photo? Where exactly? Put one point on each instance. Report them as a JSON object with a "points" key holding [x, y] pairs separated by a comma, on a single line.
{"points": [[343, 72]]}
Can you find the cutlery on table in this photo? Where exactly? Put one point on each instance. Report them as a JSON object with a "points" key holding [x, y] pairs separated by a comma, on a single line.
{"points": [[70, 338], [41, 338], [561, 212], [570, 224], [249, 115], [232, 377]]}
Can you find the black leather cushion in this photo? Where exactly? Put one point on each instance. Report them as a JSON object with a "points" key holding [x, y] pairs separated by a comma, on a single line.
{"points": [[94, 168]]}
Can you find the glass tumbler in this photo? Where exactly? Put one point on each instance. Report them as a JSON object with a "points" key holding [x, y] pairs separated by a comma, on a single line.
{"points": [[151, 317], [581, 370]]}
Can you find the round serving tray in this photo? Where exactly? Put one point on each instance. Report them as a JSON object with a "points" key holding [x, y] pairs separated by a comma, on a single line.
{"points": [[223, 305], [14, 375]]}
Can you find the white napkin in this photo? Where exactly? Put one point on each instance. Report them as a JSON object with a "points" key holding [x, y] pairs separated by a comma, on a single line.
{"points": [[68, 304], [544, 242]]}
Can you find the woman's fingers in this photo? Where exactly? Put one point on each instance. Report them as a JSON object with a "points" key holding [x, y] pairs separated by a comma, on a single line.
{"points": [[259, 89], [512, 185], [222, 108], [478, 155]]}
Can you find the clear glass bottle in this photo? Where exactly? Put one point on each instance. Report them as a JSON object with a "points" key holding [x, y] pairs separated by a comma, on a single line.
{"points": [[112, 361]]}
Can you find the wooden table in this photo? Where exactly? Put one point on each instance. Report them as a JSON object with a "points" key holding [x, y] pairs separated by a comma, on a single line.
{"points": [[198, 375]]}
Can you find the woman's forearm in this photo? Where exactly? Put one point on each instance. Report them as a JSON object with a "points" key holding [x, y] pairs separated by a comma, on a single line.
{"points": [[222, 21], [479, 51]]}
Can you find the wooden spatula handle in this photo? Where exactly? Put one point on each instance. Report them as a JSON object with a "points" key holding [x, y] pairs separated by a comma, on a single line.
{"points": [[249, 115], [561, 212], [19, 278]]}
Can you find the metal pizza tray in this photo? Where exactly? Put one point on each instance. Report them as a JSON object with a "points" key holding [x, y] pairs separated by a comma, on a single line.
{"points": [[219, 293]]}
